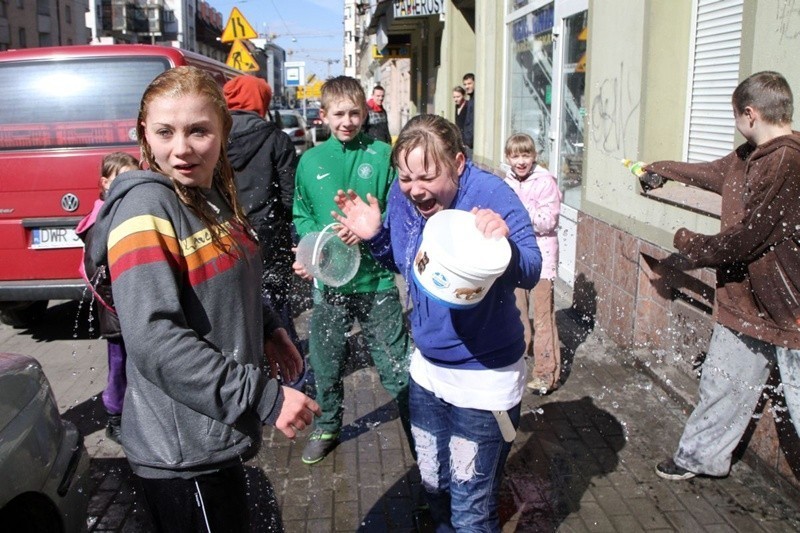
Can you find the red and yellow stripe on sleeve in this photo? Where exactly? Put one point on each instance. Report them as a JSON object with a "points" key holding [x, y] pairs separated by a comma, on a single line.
{"points": [[148, 239]]}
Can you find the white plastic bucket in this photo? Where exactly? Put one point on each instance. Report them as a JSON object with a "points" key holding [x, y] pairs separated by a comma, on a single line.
{"points": [[456, 265], [327, 258]]}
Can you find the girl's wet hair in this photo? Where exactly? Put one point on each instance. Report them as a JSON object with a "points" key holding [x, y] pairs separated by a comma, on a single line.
{"points": [[769, 93], [183, 81], [439, 139], [520, 143]]}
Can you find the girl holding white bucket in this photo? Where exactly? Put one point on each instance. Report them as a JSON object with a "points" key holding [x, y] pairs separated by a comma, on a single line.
{"points": [[467, 373]]}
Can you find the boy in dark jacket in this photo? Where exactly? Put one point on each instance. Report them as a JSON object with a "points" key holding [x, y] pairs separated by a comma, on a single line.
{"points": [[264, 159], [757, 260]]}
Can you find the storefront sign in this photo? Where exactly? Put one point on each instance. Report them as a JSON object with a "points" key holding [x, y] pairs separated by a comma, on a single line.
{"points": [[391, 51], [418, 8]]}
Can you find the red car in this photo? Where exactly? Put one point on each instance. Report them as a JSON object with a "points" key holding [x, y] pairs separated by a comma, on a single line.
{"points": [[61, 110]]}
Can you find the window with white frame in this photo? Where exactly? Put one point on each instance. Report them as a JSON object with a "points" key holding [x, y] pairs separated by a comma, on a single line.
{"points": [[717, 37]]}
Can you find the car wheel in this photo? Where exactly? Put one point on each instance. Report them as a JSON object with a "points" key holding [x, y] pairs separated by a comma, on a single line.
{"points": [[22, 314], [31, 514]]}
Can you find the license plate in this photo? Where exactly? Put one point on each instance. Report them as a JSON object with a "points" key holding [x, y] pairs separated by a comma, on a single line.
{"points": [[48, 238]]}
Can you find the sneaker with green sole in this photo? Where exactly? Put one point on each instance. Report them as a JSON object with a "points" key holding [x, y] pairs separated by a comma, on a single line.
{"points": [[319, 444]]}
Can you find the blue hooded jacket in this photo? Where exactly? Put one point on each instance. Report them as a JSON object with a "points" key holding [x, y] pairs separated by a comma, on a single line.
{"points": [[488, 335]]}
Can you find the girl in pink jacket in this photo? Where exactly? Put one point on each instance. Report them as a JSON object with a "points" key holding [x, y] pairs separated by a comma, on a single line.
{"points": [[114, 394], [539, 193]]}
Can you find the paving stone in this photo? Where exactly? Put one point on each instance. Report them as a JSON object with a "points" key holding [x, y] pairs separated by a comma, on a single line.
{"points": [[626, 523], [702, 511], [321, 504], [346, 517], [648, 514], [610, 501]]}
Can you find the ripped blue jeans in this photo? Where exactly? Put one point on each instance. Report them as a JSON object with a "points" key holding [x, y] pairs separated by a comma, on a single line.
{"points": [[461, 454]]}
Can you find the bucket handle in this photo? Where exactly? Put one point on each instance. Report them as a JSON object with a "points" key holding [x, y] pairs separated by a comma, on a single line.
{"points": [[317, 242]]}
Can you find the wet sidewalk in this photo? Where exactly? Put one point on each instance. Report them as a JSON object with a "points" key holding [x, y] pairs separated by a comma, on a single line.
{"points": [[582, 461]]}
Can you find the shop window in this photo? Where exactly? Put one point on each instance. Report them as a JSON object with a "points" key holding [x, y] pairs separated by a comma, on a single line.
{"points": [[531, 77], [513, 5], [572, 106]]}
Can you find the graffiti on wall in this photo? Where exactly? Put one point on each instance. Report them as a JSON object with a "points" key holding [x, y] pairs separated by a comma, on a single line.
{"points": [[615, 102], [788, 16]]}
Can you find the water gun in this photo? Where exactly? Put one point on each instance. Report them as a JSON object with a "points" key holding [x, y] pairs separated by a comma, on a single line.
{"points": [[648, 179], [636, 167]]}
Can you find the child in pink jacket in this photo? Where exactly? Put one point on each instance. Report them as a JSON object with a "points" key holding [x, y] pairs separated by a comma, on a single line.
{"points": [[100, 285], [539, 193]]}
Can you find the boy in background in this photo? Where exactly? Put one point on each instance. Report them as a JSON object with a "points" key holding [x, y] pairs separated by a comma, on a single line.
{"points": [[349, 159], [377, 123], [758, 275], [264, 160]]}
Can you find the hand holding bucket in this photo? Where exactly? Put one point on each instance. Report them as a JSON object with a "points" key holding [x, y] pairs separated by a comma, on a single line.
{"points": [[456, 263], [327, 258]]}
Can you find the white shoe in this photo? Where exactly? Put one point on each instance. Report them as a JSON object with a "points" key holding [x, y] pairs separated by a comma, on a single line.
{"points": [[538, 386]]}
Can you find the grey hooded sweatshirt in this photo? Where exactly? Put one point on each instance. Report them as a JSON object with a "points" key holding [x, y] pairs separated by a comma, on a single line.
{"points": [[194, 327]]}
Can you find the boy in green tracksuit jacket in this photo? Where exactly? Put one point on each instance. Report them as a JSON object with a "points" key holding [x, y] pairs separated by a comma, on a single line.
{"points": [[349, 159]]}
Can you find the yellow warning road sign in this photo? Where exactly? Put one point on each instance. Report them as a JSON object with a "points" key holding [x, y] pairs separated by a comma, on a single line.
{"points": [[237, 28], [241, 58], [313, 90]]}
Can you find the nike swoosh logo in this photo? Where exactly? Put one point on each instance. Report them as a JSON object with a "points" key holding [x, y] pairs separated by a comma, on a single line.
{"points": [[379, 302], [322, 176]]}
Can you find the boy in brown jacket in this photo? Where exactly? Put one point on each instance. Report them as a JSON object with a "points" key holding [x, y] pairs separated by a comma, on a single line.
{"points": [[757, 259]]}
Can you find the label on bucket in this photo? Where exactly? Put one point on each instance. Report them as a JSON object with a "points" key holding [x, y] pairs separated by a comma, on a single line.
{"points": [[455, 264], [444, 295], [440, 280]]}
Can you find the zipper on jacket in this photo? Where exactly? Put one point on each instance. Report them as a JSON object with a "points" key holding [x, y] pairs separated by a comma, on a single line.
{"points": [[796, 308]]}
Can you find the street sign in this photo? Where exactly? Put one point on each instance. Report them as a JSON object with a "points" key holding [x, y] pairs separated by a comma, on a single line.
{"points": [[237, 28], [295, 73], [311, 91], [240, 58]]}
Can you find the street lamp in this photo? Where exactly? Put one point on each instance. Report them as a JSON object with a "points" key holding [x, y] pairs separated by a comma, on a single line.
{"points": [[330, 62]]}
